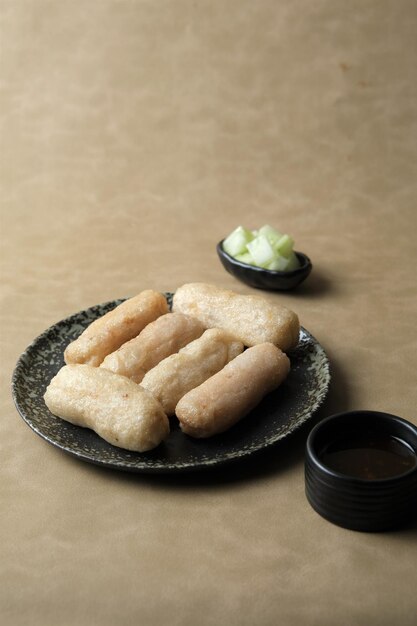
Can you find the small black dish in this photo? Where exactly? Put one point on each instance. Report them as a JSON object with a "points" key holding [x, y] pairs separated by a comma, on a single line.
{"points": [[361, 470], [265, 279]]}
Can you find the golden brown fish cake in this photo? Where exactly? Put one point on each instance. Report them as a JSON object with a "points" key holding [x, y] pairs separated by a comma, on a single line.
{"points": [[158, 340], [252, 319], [110, 331], [173, 377], [116, 408], [228, 396]]}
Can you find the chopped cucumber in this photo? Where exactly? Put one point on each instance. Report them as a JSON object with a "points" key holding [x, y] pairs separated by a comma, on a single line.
{"points": [[271, 234], [236, 242], [246, 257], [293, 262], [284, 245], [266, 248], [279, 264], [261, 250]]}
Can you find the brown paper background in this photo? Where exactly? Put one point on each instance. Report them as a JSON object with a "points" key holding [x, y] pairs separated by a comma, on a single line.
{"points": [[135, 134]]}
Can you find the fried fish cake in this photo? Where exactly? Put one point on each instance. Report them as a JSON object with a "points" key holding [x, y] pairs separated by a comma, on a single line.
{"points": [[173, 377], [228, 396], [158, 340], [116, 408], [110, 331], [251, 319]]}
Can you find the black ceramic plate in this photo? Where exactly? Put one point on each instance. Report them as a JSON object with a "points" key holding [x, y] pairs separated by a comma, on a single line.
{"points": [[276, 417]]}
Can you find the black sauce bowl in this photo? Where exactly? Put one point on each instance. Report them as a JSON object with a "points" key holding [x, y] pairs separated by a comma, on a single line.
{"points": [[265, 279], [362, 504]]}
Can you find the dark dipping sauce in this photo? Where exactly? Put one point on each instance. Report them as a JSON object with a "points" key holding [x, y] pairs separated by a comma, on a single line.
{"points": [[369, 456]]}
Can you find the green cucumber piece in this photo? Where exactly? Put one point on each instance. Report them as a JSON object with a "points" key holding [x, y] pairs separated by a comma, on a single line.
{"points": [[246, 257], [236, 242], [284, 246], [271, 234], [293, 262], [261, 251], [279, 264]]}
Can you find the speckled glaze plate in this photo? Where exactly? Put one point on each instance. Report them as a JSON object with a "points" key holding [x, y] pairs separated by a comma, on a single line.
{"points": [[275, 418]]}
